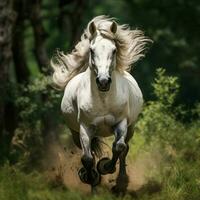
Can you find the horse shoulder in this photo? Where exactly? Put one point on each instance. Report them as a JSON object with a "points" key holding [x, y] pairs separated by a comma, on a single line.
{"points": [[70, 94], [135, 97]]}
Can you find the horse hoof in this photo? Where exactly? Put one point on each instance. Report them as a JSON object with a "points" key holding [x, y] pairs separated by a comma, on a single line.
{"points": [[92, 178], [103, 166], [96, 178], [118, 191], [83, 175]]}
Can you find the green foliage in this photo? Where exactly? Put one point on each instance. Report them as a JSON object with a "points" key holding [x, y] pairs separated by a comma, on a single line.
{"points": [[37, 103], [165, 88], [32, 97], [157, 116], [159, 119], [178, 142]]}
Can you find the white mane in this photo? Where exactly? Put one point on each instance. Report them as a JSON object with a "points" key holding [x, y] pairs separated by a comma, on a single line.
{"points": [[130, 48]]}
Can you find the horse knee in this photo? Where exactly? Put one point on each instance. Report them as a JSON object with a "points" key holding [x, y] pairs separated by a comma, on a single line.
{"points": [[120, 146], [130, 134], [87, 161]]}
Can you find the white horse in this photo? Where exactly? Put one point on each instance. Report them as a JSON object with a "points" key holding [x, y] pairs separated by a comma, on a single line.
{"points": [[101, 98]]}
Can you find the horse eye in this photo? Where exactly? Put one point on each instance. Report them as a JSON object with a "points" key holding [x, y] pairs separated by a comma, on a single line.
{"points": [[114, 51]]}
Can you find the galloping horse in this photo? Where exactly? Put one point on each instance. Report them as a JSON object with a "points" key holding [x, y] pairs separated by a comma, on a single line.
{"points": [[101, 97]]}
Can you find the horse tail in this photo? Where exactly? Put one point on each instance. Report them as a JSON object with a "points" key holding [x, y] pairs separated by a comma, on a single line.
{"points": [[96, 146]]}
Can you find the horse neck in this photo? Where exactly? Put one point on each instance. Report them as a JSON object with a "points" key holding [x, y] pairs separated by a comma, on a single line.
{"points": [[94, 89]]}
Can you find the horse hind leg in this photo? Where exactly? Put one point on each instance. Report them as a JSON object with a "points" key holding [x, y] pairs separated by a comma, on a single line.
{"points": [[123, 179]]}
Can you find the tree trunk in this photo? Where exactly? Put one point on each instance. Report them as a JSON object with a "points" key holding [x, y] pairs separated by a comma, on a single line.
{"points": [[39, 34], [19, 58], [7, 17], [70, 20]]}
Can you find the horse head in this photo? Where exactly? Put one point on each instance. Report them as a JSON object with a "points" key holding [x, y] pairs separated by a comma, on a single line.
{"points": [[102, 56]]}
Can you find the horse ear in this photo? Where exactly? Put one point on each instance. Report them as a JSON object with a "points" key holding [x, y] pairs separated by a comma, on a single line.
{"points": [[113, 27], [92, 28]]}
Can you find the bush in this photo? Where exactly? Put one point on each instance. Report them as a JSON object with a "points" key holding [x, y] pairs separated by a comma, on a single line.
{"points": [[177, 141], [39, 112]]}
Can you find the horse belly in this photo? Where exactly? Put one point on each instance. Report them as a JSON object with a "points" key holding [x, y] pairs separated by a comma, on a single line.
{"points": [[104, 125]]}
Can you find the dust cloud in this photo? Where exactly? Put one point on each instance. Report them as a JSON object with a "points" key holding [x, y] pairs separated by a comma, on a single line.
{"points": [[62, 163]]}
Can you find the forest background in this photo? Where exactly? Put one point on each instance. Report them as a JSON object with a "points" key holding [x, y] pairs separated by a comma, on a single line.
{"points": [[169, 77]]}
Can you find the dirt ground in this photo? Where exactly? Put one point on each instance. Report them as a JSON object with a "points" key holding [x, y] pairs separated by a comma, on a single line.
{"points": [[63, 162]]}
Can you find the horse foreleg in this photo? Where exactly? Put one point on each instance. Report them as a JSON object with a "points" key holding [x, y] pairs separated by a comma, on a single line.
{"points": [[85, 140], [76, 138], [87, 174], [105, 165]]}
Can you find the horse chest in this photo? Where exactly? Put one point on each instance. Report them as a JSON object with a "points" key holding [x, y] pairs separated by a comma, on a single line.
{"points": [[106, 111]]}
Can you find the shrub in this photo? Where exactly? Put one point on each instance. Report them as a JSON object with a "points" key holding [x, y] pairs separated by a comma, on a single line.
{"points": [[177, 141], [39, 115]]}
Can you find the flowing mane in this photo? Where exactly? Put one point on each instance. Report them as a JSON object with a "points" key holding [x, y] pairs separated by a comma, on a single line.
{"points": [[130, 48]]}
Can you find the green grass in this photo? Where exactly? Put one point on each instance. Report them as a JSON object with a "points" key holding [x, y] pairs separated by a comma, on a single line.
{"points": [[15, 185]]}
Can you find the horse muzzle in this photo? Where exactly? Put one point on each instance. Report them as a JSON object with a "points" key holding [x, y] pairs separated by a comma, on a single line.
{"points": [[103, 83]]}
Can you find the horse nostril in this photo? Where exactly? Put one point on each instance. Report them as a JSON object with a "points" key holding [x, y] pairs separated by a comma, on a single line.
{"points": [[103, 81], [109, 80], [97, 81]]}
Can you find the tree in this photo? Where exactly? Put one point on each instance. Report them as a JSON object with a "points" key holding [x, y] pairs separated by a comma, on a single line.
{"points": [[7, 18]]}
